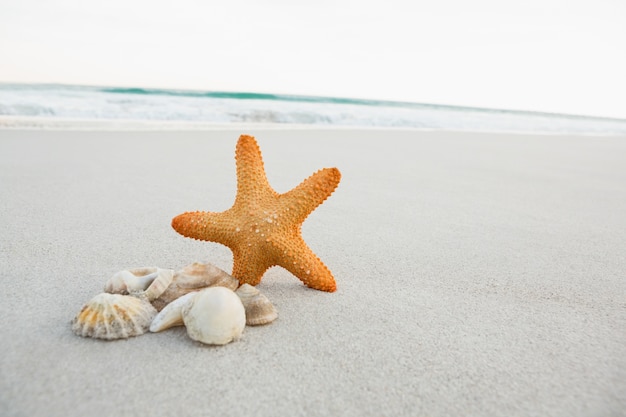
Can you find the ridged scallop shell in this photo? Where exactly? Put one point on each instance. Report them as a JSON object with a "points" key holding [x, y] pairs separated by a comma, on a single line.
{"points": [[172, 314], [113, 316], [195, 277], [259, 309], [148, 282], [214, 316]]}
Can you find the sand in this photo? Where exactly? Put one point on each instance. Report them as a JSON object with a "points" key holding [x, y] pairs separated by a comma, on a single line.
{"points": [[478, 275]]}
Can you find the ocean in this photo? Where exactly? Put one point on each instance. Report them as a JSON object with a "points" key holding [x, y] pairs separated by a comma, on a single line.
{"points": [[47, 104]]}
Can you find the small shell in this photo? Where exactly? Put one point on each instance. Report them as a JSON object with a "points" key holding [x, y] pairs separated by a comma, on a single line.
{"points": [[172, 314], [149, 282], [259, 310], [214, 316], [195, 277], [113, 316]]}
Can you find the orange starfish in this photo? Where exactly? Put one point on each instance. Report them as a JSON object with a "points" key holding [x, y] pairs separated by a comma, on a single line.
{"points": [[262, 228]]}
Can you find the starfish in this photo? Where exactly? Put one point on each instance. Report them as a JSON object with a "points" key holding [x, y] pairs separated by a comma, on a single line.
{"points": [[263, 227]]}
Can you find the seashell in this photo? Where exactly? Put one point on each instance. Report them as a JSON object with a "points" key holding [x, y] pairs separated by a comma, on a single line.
{"points": [[124, 281], [113, 316], [214, 316], [259, 310], [195, 277], [172, 314], [149, 282]]}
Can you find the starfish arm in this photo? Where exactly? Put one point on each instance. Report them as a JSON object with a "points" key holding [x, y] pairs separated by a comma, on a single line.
{"points": [[306, 266], [247, 267], [203, 225], [251, 179], [311, 192]]}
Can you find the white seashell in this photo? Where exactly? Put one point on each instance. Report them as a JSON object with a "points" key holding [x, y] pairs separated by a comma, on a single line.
{"points": [[214, 316], [113, 316], [195, 277], [149, 282], [172, 314], [123, 282], [259, 310]]}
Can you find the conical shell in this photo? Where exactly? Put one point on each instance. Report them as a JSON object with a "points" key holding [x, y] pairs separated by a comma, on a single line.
{"points": [[172, 314], [195, 277], [214, 316], [148, 282], [113, 316], [259, 309]]}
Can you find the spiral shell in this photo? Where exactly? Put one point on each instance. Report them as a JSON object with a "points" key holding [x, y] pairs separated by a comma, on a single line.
{"points": [[259, 310], [113, 316], [172, 314], [194, 277], [214, 316], [148, 282]]}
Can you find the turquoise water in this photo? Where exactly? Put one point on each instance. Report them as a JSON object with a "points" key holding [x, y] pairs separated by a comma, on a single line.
{"points": [[49, 102], [275, 97]]}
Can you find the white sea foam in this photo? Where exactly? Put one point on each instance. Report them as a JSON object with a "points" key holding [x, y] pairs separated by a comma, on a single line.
{"points": [[43, 106]]}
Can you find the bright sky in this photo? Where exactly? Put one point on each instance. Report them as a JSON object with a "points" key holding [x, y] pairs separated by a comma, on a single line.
{"points": [[565, 56]]}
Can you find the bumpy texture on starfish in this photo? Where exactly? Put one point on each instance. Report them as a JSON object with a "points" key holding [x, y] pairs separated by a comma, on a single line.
{"points": [[262, 228]]}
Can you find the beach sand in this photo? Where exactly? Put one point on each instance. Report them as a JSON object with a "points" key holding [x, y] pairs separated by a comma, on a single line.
{"points": [[478, 275]]}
